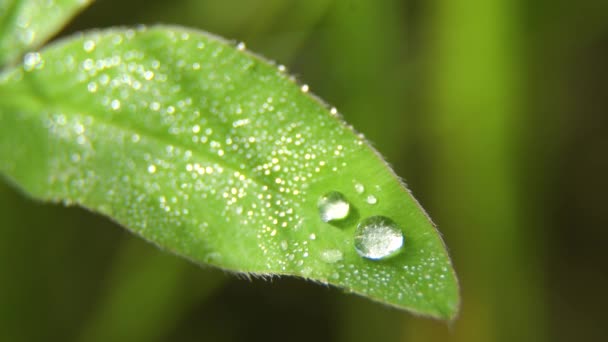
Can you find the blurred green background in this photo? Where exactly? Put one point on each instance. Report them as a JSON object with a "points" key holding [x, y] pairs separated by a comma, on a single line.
{"points": [[494, 111]]}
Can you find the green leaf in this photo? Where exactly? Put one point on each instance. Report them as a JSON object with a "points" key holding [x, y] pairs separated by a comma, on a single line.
{"points": [[25, 24], [217, 155]]}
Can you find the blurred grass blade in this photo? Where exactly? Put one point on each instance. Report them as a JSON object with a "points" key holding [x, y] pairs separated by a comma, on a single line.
{"points": [[25, 24], [215, 154], [146, 293]]}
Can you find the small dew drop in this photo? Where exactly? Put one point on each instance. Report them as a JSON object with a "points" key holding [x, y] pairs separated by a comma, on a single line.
{"points": [[88, 46], [92, 87], [359, 188], [27, 36], [305, 88], [378, 237], [115, 104], [306, 271], [331, 256], [32, 61], [333, 206], [79, 128], [151, 168], [241, 46], [371, 199]]}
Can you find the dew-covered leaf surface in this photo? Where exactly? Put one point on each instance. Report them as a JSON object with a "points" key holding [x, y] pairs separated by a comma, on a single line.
{"points": [[24, 24], [218, 155]]}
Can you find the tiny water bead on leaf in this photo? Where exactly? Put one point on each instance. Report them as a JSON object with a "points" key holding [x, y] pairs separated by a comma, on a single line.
{"points": [[331, 255], [220, 156], [359, 188], [333, 206], [378, 237]]}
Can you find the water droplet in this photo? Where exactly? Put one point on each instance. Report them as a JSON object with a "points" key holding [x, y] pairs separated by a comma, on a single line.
{"points": [[359, 188], [371, 199], [92, 87], [32, 60], [26, 36], [284, 245], [306, 271], [88, 46], [333, 206], [331, 256], [378, 237], [115, 104], [305, 88], [241, 46]]}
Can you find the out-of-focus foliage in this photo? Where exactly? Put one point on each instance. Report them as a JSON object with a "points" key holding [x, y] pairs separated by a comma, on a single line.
{"points": [[498, 123], [25, 24]]}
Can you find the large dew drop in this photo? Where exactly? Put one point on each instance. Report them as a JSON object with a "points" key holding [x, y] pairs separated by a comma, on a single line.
{"points": [[378, 237], [333, 206]]}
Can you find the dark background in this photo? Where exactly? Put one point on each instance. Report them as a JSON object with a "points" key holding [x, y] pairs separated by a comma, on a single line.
{"points": [[494, 111]]}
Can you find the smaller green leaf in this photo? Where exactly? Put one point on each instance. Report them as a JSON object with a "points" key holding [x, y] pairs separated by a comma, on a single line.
{"points": [[25, 24]]}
